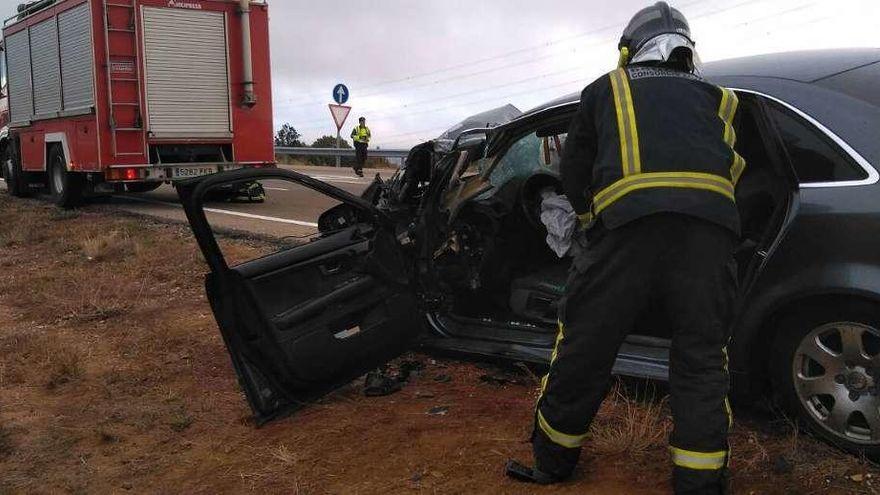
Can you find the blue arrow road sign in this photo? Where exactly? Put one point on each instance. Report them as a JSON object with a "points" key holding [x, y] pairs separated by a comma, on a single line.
{"points": [[340, 94]]}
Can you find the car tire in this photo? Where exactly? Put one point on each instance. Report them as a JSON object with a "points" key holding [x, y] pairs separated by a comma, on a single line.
{"points": [[65, 187], [142, 187], [823, 369], [16, 181]]}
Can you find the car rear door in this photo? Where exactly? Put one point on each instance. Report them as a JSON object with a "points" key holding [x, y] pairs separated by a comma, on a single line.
{"points": [[304, 320]]}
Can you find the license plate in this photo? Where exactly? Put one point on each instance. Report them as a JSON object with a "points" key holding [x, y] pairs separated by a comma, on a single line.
{"points": [[182, 173]]}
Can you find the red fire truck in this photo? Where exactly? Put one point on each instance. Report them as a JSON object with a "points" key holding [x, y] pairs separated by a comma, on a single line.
{"points": [[107, 96]]}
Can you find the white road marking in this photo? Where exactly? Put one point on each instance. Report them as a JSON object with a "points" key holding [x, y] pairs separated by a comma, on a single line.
{"points": [[275, 188], [229, 212], [336, 178]]}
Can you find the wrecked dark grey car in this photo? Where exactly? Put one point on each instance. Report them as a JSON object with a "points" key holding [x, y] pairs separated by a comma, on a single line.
{"points": [[450, 256]]}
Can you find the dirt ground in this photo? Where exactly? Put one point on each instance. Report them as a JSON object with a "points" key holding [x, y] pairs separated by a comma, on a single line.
{"points": [[113, 379]]}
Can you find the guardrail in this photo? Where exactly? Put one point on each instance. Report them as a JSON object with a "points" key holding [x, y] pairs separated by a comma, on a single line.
{"points": [[343, 152]]}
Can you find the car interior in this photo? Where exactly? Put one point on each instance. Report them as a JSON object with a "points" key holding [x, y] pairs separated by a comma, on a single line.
{"points": [[502, 279]]}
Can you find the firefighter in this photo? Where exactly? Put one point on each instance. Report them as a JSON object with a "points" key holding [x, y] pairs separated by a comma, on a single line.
{"points": [[361, 137], [650, 168]]}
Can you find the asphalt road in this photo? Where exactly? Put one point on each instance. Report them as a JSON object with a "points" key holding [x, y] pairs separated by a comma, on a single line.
{"points": [[289, 209]]}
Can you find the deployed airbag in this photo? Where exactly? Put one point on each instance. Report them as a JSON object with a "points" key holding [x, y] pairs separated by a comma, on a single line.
{"points": [[559, 218]]}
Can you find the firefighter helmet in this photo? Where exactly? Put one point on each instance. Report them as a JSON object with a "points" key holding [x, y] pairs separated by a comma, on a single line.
{"points": [[650, 23]]}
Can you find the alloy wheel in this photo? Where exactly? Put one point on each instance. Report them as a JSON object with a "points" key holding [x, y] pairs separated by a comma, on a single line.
{"points": [[836, 374]]}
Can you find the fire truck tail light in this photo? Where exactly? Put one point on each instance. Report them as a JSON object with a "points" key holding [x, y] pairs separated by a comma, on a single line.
{"points": [[124, 174]]}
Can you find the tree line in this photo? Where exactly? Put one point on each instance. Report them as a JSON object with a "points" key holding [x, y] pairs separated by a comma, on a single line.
{"points": [[288, 136]]}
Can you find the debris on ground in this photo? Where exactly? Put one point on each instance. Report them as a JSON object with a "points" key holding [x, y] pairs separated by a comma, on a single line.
{"points": [[379, 384], [438, 411], [390, 379], [108, 388]]}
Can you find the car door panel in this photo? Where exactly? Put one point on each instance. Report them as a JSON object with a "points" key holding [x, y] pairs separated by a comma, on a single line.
{"points": [[302, 321]]}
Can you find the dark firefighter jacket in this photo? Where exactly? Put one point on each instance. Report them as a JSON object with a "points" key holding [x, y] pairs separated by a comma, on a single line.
{"points": [[647, 140]]}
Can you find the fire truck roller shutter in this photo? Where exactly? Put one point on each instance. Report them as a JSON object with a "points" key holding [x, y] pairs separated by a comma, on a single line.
{"points": [[18, 66], [46, 68], [186, 73], [76, 58]]}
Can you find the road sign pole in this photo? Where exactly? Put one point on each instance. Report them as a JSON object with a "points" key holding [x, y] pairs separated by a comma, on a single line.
{"points": [[339, 113], [338, 146]]}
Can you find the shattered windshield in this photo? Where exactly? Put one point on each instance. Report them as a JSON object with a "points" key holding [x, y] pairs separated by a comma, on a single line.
{"points": [[525, 157]]}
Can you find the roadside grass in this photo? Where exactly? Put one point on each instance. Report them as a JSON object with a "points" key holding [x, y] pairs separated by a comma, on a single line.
{"points": [[65, 366], [181, 419], [630, 424], [113, 246], [113, 377], [7, 447]]}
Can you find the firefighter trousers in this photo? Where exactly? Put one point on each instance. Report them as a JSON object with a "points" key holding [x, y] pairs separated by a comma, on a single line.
{"points": [[683, 265]]}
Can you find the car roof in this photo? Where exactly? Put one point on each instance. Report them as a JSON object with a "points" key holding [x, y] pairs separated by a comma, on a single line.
{"points": [[802, 66], [836, 87]]}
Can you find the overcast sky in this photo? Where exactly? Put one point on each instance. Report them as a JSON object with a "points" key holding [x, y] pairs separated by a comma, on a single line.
{"points": [[417, 67]]}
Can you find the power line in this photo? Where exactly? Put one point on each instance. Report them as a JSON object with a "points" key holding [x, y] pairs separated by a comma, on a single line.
{"points": [[466, 93], [385, 114], [388, 116], [499, 56]]}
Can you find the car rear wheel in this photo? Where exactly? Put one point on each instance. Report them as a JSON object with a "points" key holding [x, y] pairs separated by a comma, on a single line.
{"points": [[826, 373], [65, 187]]}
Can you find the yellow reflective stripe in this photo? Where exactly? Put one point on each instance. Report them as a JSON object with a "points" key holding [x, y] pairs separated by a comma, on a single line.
{"points": [[634, 132], [621, 124], [704, 461], [560, 336], [738, 167], [689, 180], [559, 438], [729, 412], [727, 409], [630, 154], [726, 112]]}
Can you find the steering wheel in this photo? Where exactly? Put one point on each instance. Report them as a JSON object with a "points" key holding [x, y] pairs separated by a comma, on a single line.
{"points": [[530, 196]]}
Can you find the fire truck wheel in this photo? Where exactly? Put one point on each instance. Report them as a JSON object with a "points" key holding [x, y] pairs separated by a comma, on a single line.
{"points": [[65, 188], [14, 177]]}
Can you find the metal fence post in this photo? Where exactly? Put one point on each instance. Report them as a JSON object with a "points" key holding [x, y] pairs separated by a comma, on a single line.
{"points": [[338, 146]]}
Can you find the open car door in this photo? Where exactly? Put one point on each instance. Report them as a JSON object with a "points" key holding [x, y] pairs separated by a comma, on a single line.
{"points": [[307, 319]]}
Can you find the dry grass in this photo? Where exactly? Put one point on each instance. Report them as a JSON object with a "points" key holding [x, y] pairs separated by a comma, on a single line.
{"points": [[114, 246], [100, 299], [180, 419], [65, 366], [6, 445], [284, 455], [142, 397], [631, 427]]}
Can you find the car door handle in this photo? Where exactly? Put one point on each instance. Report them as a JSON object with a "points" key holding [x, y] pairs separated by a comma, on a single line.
{"points": [[331, 268]]}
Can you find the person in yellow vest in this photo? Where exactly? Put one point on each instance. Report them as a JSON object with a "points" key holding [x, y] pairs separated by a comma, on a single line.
{"points": [[361, 137]]}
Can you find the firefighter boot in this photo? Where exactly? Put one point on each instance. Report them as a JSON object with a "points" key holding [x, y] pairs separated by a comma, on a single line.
{"points": [[520, 472]]}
